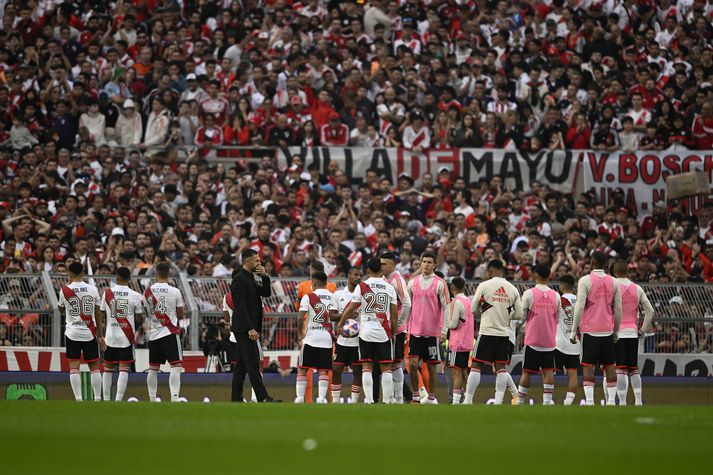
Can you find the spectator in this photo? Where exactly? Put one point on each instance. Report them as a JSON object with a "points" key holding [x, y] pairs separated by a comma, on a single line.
{"points": [[128, 126]]}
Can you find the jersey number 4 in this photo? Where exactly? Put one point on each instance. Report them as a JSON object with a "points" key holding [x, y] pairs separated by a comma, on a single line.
{"points": [[159, 305], [376, 303]]}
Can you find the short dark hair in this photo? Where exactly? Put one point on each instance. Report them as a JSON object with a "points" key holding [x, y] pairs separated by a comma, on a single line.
{"points": [[599, 260], [458, 283], [317, 266], [247, 254], [620, 267], [428, 254], [320, 277], [567, 281], [388, 255], [543, 271], [76, 268], [123, 273], [496, 264], [374, 264], [162, 269]]}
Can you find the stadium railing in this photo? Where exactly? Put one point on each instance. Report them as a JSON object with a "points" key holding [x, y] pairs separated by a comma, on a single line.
{"points": [[683, 321]]}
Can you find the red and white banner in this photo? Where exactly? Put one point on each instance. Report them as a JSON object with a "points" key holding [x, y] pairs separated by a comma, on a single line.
{"points": [[17, 358], [643, 176]]}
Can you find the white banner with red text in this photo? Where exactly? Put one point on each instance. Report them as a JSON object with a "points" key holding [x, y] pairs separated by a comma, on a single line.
{"points": [[642, 176], [518, 169]]}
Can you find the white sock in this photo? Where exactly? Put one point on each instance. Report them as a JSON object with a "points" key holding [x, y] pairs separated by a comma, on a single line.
{"points": [[611, 391], [471, 386], [387, 386], [622, 386], [511, 386], [301, 387], [96, 378], [547, 390], [174, 383], [152, 383], [106, 384], [501, 383], [75, 380], [521, 395], [336, 393], [253, 396], [457, 395], [121, 384], [589, 392], [367, 382], [636, 387], [322, 387], [569, 399], [356, 390], [397, 374]]}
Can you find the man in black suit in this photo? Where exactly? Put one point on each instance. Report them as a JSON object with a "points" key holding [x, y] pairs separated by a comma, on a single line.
{"points": [[247, 324]]}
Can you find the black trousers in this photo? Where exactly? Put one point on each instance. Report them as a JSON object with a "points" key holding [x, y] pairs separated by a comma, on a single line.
{"points": [[247, 362]]}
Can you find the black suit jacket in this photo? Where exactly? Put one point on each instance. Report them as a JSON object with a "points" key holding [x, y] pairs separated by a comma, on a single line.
{"points": [[247, 301]]}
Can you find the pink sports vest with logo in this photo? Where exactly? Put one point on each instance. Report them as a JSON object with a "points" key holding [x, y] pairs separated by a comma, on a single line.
{"points": [[393, 280], [598, 315], [629, 306], [461, 337], [541, 326], [426, 314]]}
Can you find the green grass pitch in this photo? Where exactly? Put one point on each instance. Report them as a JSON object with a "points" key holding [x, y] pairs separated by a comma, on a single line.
{"points": [[135, 438]]}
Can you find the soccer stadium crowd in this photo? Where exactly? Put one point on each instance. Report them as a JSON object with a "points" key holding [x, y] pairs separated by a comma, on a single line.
{"points": [[96, 96]]}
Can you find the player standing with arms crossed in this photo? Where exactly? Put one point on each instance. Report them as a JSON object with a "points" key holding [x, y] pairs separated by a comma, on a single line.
{"points": [[598, 311], [626, 348], [84, 332], [346, 352], [542, 306], [166, 308], [497, 302], [566, 352], [376, 300], [429, 296], [458, 319], [120, 307], [403, 306]]}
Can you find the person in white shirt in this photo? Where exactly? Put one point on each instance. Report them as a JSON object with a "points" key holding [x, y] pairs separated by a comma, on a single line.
{"points": [[120, 307], [417, 136], [165, 303], [496, 302], [626, 348], [566, 352], [346, 352], [157, 125], [84, 332], [129, 126]]}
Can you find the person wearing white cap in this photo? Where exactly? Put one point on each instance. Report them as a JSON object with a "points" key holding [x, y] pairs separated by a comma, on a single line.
{"points": [[194, 92], [129, 125]]}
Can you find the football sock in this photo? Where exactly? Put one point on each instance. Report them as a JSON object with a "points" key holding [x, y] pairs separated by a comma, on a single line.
{"points": [[521, 395], [322, 387], [511, 385], [152, 383], [636, 387], [301, 387], [106, 384], [611, 392], [336, 393], [457, 395], [569, 399], [589, 392], [174, 382], [253, 396], [547, 389], [356, 390], [397, 374], [471, 386], [622, 386], [96, 378], [387, 386], [368, 384], [75, 380], [501, 383], [121, 383]]}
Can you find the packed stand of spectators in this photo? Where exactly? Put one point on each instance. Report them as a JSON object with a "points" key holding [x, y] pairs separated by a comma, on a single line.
{"points": [[96, 98]]}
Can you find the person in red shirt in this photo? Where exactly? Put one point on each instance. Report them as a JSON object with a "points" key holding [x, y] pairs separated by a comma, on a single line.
{"points": [[334, 134], [702, 128], [579, 134]]}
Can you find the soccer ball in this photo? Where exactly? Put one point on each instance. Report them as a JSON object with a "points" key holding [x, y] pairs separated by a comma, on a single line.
{"points": [[350, 329]]}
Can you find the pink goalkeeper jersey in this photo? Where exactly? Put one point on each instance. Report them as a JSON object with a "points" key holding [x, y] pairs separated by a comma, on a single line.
{"points": [[426, 312], [543, 309], [461, 337], [598, 316], [629, 306]]}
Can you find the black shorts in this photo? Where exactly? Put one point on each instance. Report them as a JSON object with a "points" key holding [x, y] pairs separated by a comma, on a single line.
{"points": [[379, 352], [535, 361], [313, 357], [627, 353], [597, 350], [425, 348], [89, 349], [400, 347], [167, 348], [458, 359], [346, 355], [563, 361], [119, 355], [492, 349]]}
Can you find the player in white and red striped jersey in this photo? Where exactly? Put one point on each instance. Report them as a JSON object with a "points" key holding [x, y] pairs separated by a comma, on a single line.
{"points": [[84, 332], [119, 307], [316, 337], [403, 306], [346, 351], [215, 104], [566, 352], [165, 304]]}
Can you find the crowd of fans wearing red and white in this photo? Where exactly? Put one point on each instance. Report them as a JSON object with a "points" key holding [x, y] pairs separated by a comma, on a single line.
{"points": [[97, 96]]}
